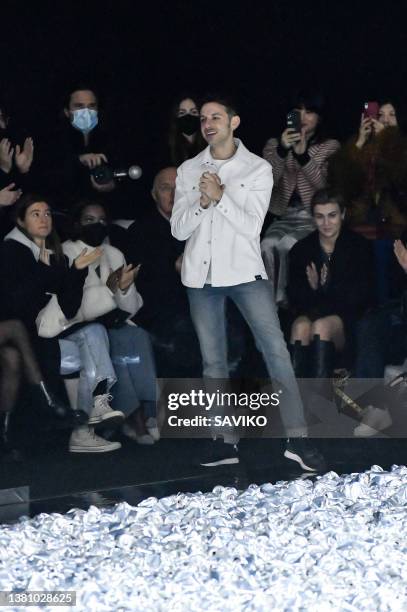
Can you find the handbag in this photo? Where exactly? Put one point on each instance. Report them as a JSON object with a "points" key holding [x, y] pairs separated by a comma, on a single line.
{"points": [[51, 321]]}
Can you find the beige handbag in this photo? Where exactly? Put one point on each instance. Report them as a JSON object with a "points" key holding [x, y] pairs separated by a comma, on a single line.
{"points": [[51, 321]]}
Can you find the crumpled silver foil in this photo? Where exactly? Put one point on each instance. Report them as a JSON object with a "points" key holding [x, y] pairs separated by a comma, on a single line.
{"points": [[338, 543]]}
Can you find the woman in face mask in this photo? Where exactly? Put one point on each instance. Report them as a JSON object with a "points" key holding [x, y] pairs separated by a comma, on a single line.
{"points": [[109, 289], [185, 139]]}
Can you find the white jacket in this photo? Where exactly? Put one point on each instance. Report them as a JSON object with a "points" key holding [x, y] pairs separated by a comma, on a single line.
{"points": [[97, 297], [226, 236]]}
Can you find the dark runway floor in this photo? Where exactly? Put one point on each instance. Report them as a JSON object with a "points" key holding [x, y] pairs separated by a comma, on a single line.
{"points": [[52, 480]]}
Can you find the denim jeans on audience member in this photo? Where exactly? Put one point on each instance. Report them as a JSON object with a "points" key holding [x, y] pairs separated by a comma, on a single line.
{"points": [[381, 339], [255, 300], [133, 361], [93, 344]]}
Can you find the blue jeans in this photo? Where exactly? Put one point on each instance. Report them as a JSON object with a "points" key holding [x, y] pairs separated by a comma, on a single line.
{"points": [[133, 361], [255, 300], [93, 344]]}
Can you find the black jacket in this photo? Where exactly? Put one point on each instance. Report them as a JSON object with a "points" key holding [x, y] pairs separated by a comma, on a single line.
{"points": [[351, 287], [24, 285], [152, 245]]}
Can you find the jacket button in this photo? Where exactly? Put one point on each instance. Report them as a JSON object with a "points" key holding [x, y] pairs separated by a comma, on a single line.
{"points": [[205, 262]]}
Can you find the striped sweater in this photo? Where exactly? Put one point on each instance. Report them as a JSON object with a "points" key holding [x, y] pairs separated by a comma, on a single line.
{"points": [[306, 173]]}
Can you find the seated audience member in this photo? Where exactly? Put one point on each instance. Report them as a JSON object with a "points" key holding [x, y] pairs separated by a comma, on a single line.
{"points": [[165, 313], [370, 173], [382, 340], [79, 145], [18, 365], [109, 286], [39, 288], [184, 138], [299, 158], [15, 163], [330, 287]]}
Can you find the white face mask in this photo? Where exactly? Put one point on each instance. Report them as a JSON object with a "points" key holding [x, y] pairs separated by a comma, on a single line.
{"points": [[85, 119]]}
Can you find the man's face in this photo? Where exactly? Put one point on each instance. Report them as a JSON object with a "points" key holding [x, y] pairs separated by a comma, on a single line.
{"points": [[83, 98], [164, 190], [216, 126], [329, 219]]}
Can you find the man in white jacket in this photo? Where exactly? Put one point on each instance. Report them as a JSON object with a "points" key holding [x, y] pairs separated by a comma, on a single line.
{"points": [[221, 198]]}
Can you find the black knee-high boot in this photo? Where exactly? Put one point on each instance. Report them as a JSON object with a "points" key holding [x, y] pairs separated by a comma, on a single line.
{"points": [[300, 358], [323, 362]]}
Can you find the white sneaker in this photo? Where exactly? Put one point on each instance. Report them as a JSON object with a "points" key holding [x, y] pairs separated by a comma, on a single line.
{"points": [[103, 413], [152, 428], [130, 432], [374, 420], [84, 440]]}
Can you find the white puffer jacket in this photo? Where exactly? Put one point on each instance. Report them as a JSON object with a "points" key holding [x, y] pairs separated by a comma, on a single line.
{"points": [[97, 297]]}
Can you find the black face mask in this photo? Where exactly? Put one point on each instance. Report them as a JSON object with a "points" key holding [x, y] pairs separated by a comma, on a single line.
{"points": [[94, 233], [188, 124]]}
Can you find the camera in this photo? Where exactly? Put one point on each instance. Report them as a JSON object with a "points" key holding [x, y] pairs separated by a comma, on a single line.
{"points": [[103, 174]]}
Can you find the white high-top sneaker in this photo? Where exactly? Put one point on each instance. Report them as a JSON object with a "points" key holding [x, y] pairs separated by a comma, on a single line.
{"points": [[102, 412], [84, 440]]}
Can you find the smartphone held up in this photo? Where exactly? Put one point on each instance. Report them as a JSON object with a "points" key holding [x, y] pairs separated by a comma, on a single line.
{"points": [[294, 121], [371, 110]]}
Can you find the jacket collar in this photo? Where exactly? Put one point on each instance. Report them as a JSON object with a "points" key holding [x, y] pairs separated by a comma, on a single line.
{"points": [[17, 235], [242, 154]]}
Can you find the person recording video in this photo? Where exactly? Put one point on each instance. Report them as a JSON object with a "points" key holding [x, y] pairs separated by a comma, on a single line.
{"points": [[81, 147], [299, 158]]}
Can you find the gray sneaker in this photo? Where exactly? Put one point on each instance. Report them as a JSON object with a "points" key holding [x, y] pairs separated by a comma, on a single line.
{"points": [[84, 440], [102, 412], [374, 420]]}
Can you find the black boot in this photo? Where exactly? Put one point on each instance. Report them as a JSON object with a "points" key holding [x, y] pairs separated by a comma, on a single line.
{"points": [[323, 362], [300, 358], [8, 450], [57, 409]]}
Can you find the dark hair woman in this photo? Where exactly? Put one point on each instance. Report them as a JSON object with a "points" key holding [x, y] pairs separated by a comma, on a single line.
{"points": [[330, 286], [300, 160], [370, 173], [185, 139], [39, 288], [111, 280]]}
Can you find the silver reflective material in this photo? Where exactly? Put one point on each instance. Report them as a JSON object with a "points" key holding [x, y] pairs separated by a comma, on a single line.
{"points": [[336, 543]]}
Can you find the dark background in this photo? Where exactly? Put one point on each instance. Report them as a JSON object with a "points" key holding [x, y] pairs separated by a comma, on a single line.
{"points": [[142, 54]]}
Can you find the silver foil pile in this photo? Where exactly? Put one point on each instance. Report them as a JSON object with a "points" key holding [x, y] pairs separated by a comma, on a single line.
{"points": [[339, 543]]}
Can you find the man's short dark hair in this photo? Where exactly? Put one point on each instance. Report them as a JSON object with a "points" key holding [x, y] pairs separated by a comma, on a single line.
{"points": [[223, 100], [80, 86], [325, 196]]}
